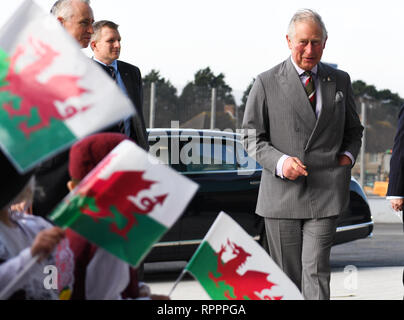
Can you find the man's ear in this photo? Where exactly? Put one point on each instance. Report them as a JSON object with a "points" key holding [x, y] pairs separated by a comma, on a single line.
{"points": [[325, 42], [71, 185], [61, 20], [289, 41], [93, 44]]}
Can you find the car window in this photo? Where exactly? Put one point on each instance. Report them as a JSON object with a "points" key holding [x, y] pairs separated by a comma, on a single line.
{"points": [[210, 155], [201, 154]]}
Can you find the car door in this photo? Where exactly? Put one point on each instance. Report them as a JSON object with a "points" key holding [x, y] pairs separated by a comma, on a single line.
{"points": [[228, 181]]}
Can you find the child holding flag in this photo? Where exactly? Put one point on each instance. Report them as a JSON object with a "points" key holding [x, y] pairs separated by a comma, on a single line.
{"points": [[23, 237], [98, 274]]}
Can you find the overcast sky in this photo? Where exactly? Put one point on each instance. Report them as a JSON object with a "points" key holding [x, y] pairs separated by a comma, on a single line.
{"points": [[244, 38]]}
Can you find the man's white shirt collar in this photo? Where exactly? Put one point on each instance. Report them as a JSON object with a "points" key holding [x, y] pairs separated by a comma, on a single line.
{"points": [[300, 71], [114, 64]]}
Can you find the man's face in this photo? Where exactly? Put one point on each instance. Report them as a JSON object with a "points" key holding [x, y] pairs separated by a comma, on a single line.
{"points": [[108, 46], [80, 25], [307, 44]]}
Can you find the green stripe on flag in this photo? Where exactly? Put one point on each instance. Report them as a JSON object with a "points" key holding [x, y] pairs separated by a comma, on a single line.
{"points": [[4, 65], [24, 151], [139, 239], [202, 263]]}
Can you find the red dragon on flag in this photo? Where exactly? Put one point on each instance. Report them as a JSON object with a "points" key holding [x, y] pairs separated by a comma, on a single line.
{"points": [[126, 203], [122, 190], [247, 285], [39, 95]]}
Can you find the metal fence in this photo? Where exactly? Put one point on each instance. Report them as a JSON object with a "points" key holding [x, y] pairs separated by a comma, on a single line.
{"points": [[200, 108]]}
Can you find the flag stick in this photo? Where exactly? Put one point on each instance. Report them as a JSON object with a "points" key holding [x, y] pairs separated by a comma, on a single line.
{"points": [[185, 270], [6, 292], [176, 282]]}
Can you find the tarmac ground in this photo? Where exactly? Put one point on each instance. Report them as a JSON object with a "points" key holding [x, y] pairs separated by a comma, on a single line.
{"points": [[385, 283]]}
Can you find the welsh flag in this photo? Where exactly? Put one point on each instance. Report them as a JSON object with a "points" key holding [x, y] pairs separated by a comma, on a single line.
{"points": [[51, 94], [126, 203], [231, 265]]}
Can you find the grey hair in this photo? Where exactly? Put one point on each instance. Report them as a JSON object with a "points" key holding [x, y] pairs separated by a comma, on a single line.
{"points": [[63, 8], [306, 15]]}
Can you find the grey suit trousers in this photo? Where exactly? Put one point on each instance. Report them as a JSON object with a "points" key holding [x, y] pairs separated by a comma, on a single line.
{"points": [[301, 247]]}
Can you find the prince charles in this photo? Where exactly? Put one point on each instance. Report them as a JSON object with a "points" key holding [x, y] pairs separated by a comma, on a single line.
{"points": [[307, 135]]}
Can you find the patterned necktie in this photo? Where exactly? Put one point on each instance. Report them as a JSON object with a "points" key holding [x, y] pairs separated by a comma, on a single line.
{"points": [[112, 72], [310, 89]]}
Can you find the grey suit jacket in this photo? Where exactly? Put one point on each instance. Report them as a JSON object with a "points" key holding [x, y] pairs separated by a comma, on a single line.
{"points": [[279, 113]]}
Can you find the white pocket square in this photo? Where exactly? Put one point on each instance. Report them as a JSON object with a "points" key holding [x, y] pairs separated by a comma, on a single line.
{"points": [[339, 96]]}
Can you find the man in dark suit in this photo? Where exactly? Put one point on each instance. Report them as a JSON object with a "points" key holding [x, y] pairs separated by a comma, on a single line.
{"points": [[77, 17], [106, 45], [395, 191]]}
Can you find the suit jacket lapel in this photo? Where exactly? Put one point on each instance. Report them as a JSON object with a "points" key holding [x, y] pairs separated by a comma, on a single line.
{"points": [[294, 92], [126, 80], [328, 85]]}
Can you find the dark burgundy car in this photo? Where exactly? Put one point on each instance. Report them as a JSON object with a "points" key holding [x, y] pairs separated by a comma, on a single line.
{"points": [[228, 181]]}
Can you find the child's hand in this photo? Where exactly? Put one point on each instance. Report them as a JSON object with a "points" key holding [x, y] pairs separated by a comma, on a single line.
{"points": [[46, 241]]}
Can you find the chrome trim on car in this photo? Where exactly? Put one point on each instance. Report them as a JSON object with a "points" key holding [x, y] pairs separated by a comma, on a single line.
{"points": [[255, 182], [181, 132], [177, 243], [354, 226], [244, 171]]}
